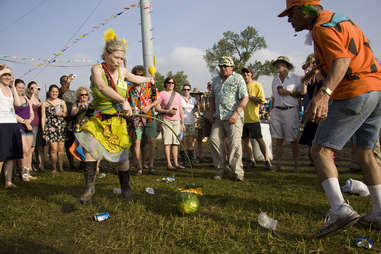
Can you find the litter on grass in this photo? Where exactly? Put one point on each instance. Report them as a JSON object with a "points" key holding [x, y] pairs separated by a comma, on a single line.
{"points": [[364, 242], [355, 187], [102, 175], [265, 221], [150, 190], [101, 216], [168, 179], [117, 191]]}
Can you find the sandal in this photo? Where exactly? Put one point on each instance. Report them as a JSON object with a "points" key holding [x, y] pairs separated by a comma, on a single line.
{"points": [[180, 166]]}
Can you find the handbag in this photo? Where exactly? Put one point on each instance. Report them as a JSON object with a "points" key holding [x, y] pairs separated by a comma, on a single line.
{"points": [[161, 115]]}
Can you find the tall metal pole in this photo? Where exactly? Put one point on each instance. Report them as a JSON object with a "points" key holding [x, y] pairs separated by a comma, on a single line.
{"points": [[145, 14]]}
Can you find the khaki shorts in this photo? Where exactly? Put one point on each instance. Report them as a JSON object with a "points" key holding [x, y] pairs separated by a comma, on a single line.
{"points": [[169, 138], [284, 124]]}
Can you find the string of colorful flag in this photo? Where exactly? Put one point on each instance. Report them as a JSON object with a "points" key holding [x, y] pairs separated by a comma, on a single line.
{"points": [[53, 65], [21, 59], [84, 35]]}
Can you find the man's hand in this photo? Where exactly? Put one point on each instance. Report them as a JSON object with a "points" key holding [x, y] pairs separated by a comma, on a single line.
{"points": [[233, 118], [317, 109]]}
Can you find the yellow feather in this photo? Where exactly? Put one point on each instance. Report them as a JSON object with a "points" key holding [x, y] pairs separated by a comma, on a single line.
{"points": [[109, 35]]}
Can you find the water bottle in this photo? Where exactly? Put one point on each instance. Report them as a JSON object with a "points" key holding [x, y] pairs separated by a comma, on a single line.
{"points": [[181, 135], [266, 222]]}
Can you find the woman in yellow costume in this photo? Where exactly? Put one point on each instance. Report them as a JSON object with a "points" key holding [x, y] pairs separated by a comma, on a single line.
{"points": [[105, 135]]}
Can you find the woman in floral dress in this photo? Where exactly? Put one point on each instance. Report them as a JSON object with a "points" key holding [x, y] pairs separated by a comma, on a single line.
{"points": [[53, 111]]}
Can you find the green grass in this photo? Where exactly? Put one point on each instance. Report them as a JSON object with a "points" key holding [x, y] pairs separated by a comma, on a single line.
{"points": [[45, 216]]}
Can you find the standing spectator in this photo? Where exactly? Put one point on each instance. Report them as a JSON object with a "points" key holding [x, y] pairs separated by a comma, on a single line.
{"points": [[170, 106], [252, 126], [313, 80], [68, 95], [80, 108], [284, 123], [228, 100], [348, 104], [189, 105], [32, 94], [24, 117], [53, 112], [143, 99], [198, 125], [79, 112], [10, 136]]}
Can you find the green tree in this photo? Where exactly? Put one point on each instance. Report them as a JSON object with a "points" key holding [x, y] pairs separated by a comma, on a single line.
{"points": [[180, 77], [241, 48]]}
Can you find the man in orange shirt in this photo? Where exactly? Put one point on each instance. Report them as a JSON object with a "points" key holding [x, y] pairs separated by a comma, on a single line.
{"points": [[349, 103]]}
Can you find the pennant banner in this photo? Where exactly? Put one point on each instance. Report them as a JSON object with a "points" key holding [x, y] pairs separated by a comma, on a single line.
{"points": [[25, 60], [79, 38]]}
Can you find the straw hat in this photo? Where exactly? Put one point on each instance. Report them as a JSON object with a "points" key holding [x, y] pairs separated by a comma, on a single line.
{"points": [[285, 60], [196, 91]]}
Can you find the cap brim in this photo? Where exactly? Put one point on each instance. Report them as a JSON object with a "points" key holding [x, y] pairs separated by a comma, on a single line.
{"points": [[284, 13]]}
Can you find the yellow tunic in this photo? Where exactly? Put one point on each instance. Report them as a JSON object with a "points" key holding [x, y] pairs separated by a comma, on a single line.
{"points": [[106, 139]]}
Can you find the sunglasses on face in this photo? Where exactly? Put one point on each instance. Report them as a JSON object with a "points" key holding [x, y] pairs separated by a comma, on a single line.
{"points": [[186, 89], [84, 94], [139, 74], [170, 82]]}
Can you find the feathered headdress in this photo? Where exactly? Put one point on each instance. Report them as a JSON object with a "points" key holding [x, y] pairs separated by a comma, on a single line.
{"points": [[110, 35]]}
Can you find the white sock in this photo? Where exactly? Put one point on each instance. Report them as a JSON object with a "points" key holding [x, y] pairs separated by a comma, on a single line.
{"points": [[375, 194], [332, 189]]}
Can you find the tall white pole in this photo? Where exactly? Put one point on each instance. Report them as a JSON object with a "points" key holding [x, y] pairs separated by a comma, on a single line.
{"points": [[145, 14]]}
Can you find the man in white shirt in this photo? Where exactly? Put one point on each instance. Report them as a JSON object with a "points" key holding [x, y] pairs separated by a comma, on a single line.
{"points": [[284, 124]]}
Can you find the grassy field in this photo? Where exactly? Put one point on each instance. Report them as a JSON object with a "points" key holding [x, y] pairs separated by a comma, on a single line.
{"points": [[45, 216]]}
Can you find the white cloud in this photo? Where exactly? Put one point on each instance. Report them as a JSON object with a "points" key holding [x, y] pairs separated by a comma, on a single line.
{"points": [[189, 60]]}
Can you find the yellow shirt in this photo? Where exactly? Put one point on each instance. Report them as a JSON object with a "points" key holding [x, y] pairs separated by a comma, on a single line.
{"points": [[252, 109]]}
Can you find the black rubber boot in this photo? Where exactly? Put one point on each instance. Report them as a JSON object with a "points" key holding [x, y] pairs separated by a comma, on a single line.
{"points": [[124, 179], [89, 171]]}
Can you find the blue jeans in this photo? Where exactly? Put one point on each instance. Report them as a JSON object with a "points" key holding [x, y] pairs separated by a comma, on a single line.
{"points": [[359, 117]]}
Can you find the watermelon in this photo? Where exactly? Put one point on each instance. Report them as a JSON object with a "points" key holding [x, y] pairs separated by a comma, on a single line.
{"points": [[188, 203]]}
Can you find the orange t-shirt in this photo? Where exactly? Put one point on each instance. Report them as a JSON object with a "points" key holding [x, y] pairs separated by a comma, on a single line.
{"points": [[346, 40]]}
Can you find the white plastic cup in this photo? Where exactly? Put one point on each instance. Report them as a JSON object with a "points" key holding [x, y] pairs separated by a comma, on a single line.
{"points": [[267, 222]]}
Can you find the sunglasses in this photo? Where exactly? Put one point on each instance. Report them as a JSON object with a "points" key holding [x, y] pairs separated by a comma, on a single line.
{"points": [[170, 82], [139, 74], [84, 94], [186, 89]]}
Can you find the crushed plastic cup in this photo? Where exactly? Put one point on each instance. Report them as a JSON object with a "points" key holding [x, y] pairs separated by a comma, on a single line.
{"points": [[265, 221], [150, 190], [355, 187], [102, 175], [364, 242], [117, 191]]}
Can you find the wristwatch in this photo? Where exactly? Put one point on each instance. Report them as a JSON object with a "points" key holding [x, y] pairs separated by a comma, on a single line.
{"points": [[326, 90]]}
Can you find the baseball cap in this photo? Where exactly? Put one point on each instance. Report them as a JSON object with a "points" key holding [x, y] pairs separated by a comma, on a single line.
{"points": [[292, 3]]}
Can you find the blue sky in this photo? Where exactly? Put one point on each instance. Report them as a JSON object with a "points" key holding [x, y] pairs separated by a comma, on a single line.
{"points": [[182, 31]]}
